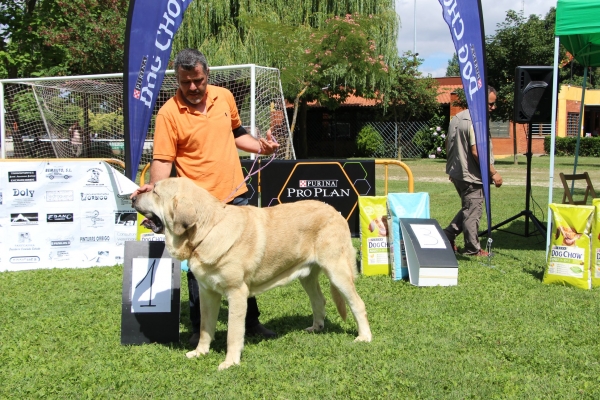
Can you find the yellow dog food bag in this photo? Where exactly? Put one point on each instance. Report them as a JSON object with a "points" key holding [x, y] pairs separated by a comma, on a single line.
{"points": [[595, 258], [374, 243], [569, 255]]}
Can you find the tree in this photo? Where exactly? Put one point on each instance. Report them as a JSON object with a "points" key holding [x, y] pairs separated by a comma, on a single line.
{"points": [[453, 68], [517, 41], [59, 37], [324, 50], [411, 95]]}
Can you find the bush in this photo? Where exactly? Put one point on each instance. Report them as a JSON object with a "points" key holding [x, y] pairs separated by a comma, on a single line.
{"points": [[566, 146], [369, 142], [432, 141]]}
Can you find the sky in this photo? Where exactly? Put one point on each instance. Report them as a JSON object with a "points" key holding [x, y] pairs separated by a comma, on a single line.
{"points": [[434, 43]]}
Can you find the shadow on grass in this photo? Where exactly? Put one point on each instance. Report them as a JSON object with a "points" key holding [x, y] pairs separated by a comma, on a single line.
{"points": [[512, 236], [282, 326]]}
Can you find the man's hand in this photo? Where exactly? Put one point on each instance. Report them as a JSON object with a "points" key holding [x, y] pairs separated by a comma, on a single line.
{"points": [[142, 189], [497, 179], [269, 145]]}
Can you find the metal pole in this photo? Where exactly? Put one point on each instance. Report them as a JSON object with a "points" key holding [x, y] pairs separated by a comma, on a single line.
{"points": [[2, 123], [415, 28]]}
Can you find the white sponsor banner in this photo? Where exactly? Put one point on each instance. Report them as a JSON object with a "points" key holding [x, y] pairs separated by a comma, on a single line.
{"points": [[63, 214]]}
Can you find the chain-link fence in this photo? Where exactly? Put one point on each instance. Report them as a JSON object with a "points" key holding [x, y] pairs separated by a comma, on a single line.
{"points": [[398, 139]]}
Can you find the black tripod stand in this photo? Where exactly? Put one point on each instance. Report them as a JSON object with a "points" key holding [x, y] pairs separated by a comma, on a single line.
{"points": [[526, 212]]}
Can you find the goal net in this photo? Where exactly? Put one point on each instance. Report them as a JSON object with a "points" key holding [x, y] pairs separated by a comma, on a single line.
{"points": [[82, 116]]}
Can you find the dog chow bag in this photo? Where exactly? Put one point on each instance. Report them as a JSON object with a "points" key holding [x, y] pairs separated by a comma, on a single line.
{"points": [[569, 255], [374, 243], [595, 257]]}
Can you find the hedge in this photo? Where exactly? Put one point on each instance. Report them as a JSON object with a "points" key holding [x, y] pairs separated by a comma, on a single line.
{"points": [[565, 146]]}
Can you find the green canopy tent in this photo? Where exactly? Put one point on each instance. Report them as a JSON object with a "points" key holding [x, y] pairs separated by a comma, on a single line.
{"points": [[578, 30]]}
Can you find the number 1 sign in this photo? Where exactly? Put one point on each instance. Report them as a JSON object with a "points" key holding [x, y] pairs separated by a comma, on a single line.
{"points": [[150, 302]]}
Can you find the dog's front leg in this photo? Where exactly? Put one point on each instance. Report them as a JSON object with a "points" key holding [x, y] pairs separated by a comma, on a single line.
{"points": [[238, 305], [209, 312]]}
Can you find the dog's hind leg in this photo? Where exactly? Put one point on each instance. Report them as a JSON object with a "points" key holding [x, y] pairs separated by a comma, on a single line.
{"points": [[209, 312], [312, 287], [236, 324]]}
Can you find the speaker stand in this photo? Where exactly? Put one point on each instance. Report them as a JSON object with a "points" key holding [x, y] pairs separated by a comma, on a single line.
{"points": [[538, 225]]}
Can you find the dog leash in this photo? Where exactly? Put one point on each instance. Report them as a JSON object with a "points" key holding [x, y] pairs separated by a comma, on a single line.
{"points": [[250, 173]]}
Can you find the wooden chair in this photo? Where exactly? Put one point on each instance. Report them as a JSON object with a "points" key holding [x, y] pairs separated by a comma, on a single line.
{"points": [[589, 190]]}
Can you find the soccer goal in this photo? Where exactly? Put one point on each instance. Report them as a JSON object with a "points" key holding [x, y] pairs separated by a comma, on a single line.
{"points": [[82, 116]]}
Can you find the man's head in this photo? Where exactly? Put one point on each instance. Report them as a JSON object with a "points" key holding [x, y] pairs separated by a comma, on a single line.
{"points": [[191, 70], [492, 94]]}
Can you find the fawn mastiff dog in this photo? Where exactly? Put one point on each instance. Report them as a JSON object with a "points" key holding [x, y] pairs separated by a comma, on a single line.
{"points": [[238, 252]]}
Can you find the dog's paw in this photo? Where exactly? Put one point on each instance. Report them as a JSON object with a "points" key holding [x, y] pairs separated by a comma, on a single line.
{"points": [[363, 338], [314, 328], [194, 353], [227, 364]]}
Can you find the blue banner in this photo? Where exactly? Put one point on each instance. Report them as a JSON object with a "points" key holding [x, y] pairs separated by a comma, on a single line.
{"points": [[151, 26], [465, 20]]}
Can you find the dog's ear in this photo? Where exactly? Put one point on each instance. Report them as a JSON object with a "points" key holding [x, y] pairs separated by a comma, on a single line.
{"points": [[184, 214]]}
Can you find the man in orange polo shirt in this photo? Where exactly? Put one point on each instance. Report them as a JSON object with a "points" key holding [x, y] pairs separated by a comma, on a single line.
{"points": [[198, 131]]}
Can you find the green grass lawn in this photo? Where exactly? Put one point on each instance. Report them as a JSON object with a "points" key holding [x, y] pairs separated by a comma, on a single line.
{"points": [[500, 333]]}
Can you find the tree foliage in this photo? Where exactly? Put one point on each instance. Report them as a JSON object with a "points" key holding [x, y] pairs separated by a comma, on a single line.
{"points": [[60, 37], [411, 95], [518, 41]]}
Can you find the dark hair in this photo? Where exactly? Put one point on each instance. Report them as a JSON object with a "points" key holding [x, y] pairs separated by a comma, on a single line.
{"points": [[492, 90], [188, 59]]}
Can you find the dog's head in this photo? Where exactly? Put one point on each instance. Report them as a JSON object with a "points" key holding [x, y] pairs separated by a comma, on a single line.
{"points": [[169, 207]]}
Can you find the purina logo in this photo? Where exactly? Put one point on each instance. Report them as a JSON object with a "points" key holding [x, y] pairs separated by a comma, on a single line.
{"points": [[327, 183], [64, 217], [137, 91], [24, 219], [22, 176], [94, 175]]}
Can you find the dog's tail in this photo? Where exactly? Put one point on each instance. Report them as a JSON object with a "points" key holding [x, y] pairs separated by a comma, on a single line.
{"points": [[340, 304]]}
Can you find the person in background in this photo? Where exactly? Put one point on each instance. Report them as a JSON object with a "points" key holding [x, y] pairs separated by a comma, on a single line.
{"points": [[76, 139], [198, 132], [462, 167]]}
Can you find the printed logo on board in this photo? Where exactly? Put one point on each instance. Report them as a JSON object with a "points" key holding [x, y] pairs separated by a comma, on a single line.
{"points": [[24, 219], [59, 255], [24, 260], [125, 218], [320, 183], [23, 193], [22, 176], [94, 217], [59, 217], [92, 239], [94, 196], [59, 196], [60, 243], [94, 176], [58, 173]]}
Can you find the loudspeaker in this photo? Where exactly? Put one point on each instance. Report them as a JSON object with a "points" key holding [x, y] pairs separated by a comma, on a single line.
{"points": [[533, 94]]}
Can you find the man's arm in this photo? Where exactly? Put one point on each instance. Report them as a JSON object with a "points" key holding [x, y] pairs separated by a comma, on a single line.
{"points": [[494, 174], [159, 170]]}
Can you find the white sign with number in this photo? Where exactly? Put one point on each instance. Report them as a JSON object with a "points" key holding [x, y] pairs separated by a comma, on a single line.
{"points": [[428, 236], [151, 285]]}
